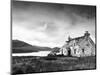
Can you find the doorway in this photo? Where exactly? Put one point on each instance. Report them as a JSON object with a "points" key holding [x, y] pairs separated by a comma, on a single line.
{"points": [[69, 52]]}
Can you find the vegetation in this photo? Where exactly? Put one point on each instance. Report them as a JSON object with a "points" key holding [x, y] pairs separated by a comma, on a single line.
{"points": [[23, 47], [31, 64]]}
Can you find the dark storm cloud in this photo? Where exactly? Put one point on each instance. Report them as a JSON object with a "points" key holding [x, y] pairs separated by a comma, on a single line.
{"points": [[51, 21], [57, 10]]}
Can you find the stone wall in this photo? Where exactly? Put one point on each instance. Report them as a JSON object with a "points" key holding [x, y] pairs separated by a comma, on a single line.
{"points": [[80, 48]]}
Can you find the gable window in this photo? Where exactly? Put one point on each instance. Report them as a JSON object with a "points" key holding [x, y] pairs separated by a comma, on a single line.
{"points": [[74, 44], [87, 44]]}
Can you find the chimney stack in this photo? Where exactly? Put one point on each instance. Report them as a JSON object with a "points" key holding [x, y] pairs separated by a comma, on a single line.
{"points": [[86, 35], [69, 38]]}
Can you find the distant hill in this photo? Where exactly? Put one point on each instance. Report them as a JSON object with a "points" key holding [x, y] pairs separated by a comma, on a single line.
{"points": [[56, 49], [18, 43], [23, 47]]}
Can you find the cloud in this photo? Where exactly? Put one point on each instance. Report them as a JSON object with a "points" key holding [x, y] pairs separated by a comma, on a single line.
{"points": [[47, 24]]}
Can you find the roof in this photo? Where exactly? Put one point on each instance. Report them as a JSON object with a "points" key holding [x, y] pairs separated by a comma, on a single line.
{"points": [[77, 38]]}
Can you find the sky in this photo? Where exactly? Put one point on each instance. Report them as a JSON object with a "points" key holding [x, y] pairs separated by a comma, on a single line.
{"points": [[50, 24]]}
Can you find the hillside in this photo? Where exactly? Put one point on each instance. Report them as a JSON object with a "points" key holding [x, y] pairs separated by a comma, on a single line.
{"points": [[23, 47], [18, 43]]}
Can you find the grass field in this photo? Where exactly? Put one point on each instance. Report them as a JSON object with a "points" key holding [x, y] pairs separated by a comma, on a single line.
{"points": [[32, 64]]}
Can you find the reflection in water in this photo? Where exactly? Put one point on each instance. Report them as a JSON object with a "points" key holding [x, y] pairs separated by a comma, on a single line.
{"points": [[40, 53]]}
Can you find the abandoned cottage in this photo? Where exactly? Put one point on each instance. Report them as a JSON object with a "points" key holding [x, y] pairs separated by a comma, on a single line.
{"points": [[80, 46]]}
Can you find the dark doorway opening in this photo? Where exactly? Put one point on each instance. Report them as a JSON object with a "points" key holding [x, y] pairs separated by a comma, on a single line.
{"points": [[69, 52], [82, 50]]}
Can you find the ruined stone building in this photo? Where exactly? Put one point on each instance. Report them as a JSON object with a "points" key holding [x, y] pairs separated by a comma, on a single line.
{"points": [[80, 46]]}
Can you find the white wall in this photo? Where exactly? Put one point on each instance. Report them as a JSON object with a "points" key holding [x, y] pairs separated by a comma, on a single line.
{"points": [[5, 37]]}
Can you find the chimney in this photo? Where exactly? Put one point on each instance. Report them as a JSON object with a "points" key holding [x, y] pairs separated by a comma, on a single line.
{"points": [[86, 35], [69, 38]]}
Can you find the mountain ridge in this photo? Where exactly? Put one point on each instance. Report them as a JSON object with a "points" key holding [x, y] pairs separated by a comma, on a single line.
{"points": [[19, 46]]}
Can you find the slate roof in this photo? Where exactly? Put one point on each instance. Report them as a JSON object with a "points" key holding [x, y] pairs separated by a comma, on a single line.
{"points": [[77, 38]]}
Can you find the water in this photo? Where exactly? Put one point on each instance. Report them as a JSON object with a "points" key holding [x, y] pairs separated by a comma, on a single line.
{"points": [[40, 53]]}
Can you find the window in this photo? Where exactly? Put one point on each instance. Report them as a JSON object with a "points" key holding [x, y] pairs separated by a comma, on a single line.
{"points": [[74, 51], [87, 44], [74, 44]]}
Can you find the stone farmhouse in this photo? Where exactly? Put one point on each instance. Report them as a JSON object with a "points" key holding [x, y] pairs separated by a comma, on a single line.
{"points": [[79, 47]]}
